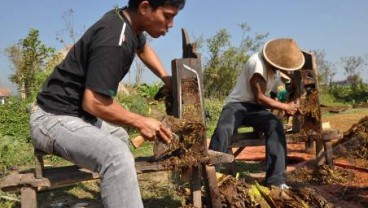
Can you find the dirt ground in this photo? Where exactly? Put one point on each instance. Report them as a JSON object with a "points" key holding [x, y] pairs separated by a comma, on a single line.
{"points": [[344, 186]]}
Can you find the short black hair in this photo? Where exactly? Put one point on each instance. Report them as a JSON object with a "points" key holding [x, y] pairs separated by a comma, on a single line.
{"points": [[133, 4]]}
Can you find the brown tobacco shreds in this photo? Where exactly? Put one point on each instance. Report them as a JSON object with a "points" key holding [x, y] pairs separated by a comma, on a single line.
{"points": [[191, 130], [309, 105], [355, 141], [310, 112], [191, 101], [190, 140]]}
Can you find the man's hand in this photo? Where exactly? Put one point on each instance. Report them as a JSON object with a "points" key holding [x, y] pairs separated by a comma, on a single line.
{"points": [[291, 108], [167, 81], [153, 129]]}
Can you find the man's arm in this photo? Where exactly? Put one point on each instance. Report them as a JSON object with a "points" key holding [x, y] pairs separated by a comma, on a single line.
{"points": [[151, 60], [107, 109], [258, 85]]}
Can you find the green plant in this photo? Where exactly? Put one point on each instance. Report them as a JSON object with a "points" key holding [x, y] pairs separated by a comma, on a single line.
{"points": [[134, 103], [146, 149], [15, 139], [13, 153], [226, 61], [28, 57], [213, 108], [14, 119], [354, 93], [148, 91]]}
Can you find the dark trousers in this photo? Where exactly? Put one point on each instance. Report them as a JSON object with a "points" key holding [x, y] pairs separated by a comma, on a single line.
{"points": [[235, 115]]}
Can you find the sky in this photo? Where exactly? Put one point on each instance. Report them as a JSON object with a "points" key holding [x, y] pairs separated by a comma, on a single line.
{"points": [[337, 27]]}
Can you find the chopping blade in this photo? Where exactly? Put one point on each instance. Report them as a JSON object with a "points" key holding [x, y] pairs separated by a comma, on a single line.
{"points": [[159, 147], [163, 151]]}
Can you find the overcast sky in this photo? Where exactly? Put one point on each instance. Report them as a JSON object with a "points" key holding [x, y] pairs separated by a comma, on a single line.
{"points": [[335, 26]]}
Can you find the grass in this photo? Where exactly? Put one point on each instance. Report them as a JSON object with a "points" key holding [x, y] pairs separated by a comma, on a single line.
{"points": [[350, 111], [146, 149], [87, 193], [159, 190]]}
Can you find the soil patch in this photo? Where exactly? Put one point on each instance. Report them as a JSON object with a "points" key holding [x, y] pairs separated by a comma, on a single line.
{"points": [[344, 186]]}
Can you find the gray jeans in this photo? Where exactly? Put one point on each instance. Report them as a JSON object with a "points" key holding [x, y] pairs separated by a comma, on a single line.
{"points": [[100, 147]]}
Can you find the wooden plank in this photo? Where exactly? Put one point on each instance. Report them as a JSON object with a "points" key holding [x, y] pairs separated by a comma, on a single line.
{"points": [[310, 145], [214, 157], [238, 151], [320, 153], [196, 187], [245, 136], [145, 164], [213, 193], [53, 178], [248, 142], [14, 182], [328, 153], [332, 134], [62, 176], [28, 197], [39, 163]]}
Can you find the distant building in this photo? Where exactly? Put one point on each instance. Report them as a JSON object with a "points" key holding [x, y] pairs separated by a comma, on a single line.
{"points": [[4, 94]]}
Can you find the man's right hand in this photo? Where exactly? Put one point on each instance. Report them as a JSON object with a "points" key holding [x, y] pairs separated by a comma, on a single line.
{"points": [[153, 129], [292, 108]]}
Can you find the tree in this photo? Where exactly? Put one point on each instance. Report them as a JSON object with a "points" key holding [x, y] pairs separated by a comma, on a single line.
{"points": [[139, 69], [225, 61], [68, 18], [14, 54], [139, 66], [28, 57], [326, 70], [352, 66]]}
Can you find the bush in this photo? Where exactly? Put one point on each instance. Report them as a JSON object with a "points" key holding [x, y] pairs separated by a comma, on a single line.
{"points": [[14, 153], [15, 138], [148, 91], [354, 93], [213, 108], [14, 119]]}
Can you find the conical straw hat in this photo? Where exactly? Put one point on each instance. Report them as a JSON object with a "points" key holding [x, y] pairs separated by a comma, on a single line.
{"points": [[283, 53]]}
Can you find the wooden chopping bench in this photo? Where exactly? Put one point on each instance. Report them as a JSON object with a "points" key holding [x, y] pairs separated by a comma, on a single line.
{"points": [[29, 184]]}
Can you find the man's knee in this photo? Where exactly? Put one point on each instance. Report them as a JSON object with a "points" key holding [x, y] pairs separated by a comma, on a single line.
{"points": [[119, 155]]}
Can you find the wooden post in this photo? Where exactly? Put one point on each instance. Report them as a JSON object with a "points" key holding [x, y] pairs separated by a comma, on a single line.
{"points": [[196, 187], [28, 197], [212, 190], [328, 153], [39, 166]]}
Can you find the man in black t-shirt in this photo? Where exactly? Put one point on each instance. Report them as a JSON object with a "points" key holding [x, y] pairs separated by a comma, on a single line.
{"points": [[77, 117]]}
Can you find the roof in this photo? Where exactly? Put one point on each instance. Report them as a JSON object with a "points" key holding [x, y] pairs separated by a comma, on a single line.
{"points": [[4, 92]]}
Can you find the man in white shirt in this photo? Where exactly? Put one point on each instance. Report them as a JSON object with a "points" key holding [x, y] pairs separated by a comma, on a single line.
{"points": [[248, 104]]}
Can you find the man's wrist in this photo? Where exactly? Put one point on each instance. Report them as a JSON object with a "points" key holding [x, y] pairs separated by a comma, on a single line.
{"points": [[166, 79]]}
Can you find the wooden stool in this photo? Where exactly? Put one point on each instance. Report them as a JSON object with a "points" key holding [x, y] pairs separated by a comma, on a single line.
{"points": [[44, 179], [242, 140], [323, 145]]}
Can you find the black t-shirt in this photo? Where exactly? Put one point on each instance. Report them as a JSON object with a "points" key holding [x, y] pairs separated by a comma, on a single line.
{"points": [[98, 61]]}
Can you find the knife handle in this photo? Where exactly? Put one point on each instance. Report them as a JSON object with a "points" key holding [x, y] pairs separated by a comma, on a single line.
{"points": [[137, 141]]}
